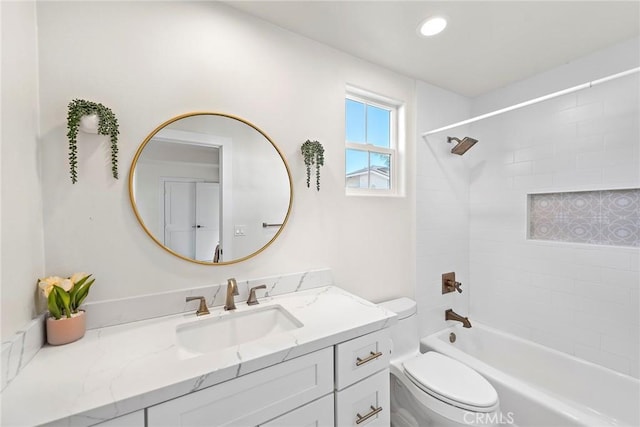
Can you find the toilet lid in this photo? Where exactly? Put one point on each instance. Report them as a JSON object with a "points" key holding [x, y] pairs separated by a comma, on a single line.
{"points": [[451, 381]]}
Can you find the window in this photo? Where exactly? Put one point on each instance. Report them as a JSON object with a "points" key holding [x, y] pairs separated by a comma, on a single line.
{"points": [[371, 135]]}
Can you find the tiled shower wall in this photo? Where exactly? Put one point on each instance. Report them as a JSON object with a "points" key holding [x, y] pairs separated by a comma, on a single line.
{"points": [[579, 298], [442, 209]]}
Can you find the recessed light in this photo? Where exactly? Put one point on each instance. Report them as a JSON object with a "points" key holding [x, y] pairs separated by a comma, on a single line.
{"points": [[432, 26]]}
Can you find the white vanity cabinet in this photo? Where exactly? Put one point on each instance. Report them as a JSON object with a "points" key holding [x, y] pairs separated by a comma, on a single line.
{"points": [[252, 399], [343, 385], [362, 380]]}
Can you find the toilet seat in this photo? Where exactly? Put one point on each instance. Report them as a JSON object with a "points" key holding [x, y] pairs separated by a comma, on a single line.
{"points": [[451, 381]]}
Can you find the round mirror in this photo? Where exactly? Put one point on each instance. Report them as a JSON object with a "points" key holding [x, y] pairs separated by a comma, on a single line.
{"points": [[210, 188]]}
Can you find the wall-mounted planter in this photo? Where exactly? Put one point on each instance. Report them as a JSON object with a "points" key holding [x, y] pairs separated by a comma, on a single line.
{"points": [[83, 115], [313, 154], [89, 123]]}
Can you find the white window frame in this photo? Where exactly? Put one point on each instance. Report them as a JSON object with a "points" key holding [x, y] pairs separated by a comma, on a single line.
{"points": [[396, 142]]}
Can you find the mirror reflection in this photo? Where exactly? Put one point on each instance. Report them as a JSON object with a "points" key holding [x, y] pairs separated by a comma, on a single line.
{"points": [[210, 188]]}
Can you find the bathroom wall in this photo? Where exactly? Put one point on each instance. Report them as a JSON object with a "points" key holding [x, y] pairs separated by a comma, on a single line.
{"points": [[22, 253], [442, 208], [151, 61], [578, 298]]}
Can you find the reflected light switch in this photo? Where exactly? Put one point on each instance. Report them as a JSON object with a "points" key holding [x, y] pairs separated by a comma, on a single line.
{"points": [[239, 230]]}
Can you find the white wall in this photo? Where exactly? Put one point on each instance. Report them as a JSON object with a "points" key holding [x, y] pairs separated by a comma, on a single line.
{"points": [[149, 62], [22, 260], [580, 299], [442, 208]]}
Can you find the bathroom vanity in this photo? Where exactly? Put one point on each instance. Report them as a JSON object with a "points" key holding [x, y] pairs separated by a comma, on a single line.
{"points": [[321, 358]]}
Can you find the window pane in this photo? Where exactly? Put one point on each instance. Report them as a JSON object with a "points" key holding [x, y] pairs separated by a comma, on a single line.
{"points": [[379, 176], [357, 170], [355, 121], [378, 127]]}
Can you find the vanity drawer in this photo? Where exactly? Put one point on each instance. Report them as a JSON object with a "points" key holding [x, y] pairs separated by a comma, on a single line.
{"points": [[365, 403], [134, 419], [253, 398], [314, 414], [361, 357]]}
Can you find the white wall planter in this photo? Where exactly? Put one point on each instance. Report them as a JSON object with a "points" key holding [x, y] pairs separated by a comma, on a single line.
{"points": [[89, 123]]}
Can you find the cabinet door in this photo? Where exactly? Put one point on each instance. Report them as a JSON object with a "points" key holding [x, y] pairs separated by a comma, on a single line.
{"points": [[314, 414], [253, 398], [365, 403]]}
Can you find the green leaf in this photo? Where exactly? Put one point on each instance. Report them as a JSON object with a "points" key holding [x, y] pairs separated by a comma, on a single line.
{"points": [[52, 304], [74, 292], [83, 292], [64, 298]]}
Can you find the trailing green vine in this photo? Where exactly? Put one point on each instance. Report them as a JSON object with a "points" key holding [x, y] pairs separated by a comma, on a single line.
{"points": [[313, 154], [108, 125]]}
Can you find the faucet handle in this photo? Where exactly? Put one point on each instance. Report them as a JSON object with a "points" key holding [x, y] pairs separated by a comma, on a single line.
{"points": [[455, 285], [252, 294], [449, 283], [202, 308]]}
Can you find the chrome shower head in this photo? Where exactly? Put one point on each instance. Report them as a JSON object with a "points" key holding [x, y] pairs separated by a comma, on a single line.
{"points": [[462, 146]]}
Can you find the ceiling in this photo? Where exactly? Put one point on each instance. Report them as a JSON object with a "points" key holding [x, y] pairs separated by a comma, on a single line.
{"points": [[487, 44]]}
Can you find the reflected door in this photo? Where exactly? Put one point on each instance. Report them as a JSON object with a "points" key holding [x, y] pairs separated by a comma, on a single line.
{"points": [[192, 218], [207, 220], [179, 216]]}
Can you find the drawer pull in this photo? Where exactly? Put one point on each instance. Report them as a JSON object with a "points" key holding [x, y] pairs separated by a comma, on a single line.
{"points": [[363, 418], [369, 358]]}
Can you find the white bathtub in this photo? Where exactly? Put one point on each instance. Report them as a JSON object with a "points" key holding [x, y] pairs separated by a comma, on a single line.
{"points": [[539, 386]]}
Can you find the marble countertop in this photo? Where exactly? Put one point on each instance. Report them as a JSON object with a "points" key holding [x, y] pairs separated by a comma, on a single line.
{"points": [[120, 369]]}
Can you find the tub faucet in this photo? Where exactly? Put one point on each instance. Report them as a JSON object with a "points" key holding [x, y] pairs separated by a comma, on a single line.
{"points": [[232, 289], [452, 315]]}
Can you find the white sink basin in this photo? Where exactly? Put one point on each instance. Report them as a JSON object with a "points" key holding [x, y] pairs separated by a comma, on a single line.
{"points": [[234, 328]]}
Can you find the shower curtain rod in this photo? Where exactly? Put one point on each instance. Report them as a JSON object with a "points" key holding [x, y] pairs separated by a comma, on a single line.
{"points": [[535, 101]]}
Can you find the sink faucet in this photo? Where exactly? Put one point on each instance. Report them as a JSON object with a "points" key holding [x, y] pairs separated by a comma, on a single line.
{"points": [[452, 315], [202, 308], [252, 294], [232, 289]]}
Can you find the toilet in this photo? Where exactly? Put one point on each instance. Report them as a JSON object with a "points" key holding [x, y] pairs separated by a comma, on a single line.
{"points": [[432, 389]]}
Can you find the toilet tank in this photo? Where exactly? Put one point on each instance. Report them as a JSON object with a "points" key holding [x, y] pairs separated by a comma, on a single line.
{"points": [[404, 334]]}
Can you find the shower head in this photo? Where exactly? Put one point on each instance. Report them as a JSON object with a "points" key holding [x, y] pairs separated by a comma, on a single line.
{"points": [[462, 146]]}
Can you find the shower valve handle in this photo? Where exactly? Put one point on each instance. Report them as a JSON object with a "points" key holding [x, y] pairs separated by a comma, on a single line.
{"points": [[449, 283], [454, 285]]}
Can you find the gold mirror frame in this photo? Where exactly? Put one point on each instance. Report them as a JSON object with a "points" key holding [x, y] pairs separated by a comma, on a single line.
{"points": [[206, 113]]}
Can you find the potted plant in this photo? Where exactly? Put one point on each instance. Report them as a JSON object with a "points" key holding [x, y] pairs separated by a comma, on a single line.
{"points": [[66, 322], [313, 154], [107, 125]]}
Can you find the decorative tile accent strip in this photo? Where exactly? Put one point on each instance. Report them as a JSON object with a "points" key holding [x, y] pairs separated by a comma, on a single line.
{"points": [[607, 217]]}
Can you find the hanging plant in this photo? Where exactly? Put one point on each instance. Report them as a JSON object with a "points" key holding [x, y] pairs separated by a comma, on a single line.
{"points": [[313, 154], [107, 125]]}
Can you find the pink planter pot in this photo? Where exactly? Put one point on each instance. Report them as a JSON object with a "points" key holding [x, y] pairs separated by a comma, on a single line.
{"points": [[66, 329]]}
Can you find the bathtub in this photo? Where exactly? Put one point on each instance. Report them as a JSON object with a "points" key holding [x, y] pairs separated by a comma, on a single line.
{"points": [[539, 386]]}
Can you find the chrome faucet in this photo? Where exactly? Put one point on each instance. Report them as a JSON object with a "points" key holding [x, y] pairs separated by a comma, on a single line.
{"points": [[452, 315], [232, 289]]}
